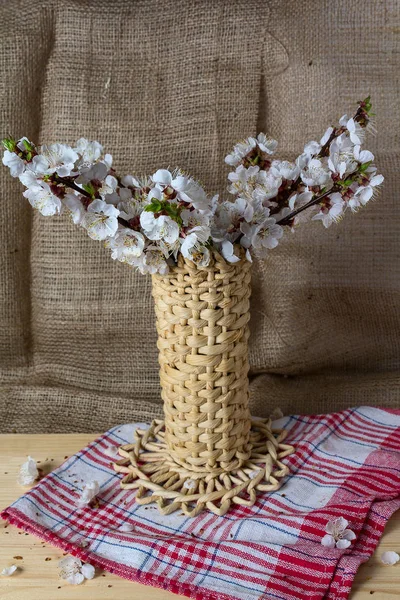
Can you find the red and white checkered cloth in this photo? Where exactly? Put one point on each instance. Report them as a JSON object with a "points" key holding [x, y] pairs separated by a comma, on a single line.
{"points": [[346, 464]]}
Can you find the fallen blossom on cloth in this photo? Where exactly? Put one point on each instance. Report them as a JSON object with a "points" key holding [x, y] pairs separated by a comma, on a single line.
{"points": [[337, 534], [89, 493], [346, 465]]}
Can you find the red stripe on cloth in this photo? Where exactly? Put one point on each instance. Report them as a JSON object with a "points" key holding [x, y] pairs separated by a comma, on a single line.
{"points": [[271, 550], [375, 521], [21, 521]]}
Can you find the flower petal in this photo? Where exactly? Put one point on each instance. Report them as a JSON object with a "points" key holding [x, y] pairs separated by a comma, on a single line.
{"points": [[88, 571], [342, 544], [126, 527], [162, 176], [75, 578], [28, 472], [376, 180], [340, 524], [390, 558], [328, 541], [69, 562], [348, 534], [8, 571], [189, 484]]}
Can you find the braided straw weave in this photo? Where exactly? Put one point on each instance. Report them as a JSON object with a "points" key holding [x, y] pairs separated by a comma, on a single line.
{"points": [[204, 454]]}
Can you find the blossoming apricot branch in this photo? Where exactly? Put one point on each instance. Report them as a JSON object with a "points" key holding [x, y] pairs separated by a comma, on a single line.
{"points": [[147, 221]]}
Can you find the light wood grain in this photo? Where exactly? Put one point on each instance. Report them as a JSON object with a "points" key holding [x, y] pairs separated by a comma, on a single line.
{"points": [[38, 579]]}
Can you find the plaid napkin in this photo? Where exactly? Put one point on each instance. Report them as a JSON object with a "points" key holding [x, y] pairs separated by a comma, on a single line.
{"points": [[346, 464]]}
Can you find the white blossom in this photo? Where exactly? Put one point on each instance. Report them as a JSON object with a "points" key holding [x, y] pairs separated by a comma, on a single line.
{"points": [[362, 156], [228, 252], [198, 221], [330, 214], [74, 206], [94, 172], [193, 249], [108, 190], [298, 200], [189, 484], [41, 197], [159, 228], [153, 262], [127, 245], [191, 192], [101, 220], [28, 472], [163, 177], [356, 131], [130, 181], [90, 152], [341, 156], [228, 219], [268, 184], [187, 189], [364, 193], [89, 492], [315, 174], [14, 163], [240, 150], [390, 558], [249, 231], [57, 158], [74, 571], [267, 235], [266, 144], [285, 169], [242, 179], [337, 534], [147, 221], [21, 143], [326, 136], [131, 210], [312, 148], [8, 571], [126, 527]]}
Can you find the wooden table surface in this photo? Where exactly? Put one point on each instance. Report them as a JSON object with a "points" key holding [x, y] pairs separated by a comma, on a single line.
{"points": [[38, 579]]}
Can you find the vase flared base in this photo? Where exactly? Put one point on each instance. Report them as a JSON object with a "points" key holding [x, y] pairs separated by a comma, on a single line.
{"points": [[148, 468]]}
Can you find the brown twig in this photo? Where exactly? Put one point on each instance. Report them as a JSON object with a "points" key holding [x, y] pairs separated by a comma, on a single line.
{"points": [[71, 184], [286, 220]]}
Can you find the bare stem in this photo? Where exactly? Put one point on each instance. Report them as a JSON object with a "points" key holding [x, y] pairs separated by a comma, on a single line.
{"points": [[286, 220], [69, 183]]}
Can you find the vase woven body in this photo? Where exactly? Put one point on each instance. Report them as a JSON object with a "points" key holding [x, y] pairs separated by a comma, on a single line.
{"points": [[202, 324], [208, 453]]}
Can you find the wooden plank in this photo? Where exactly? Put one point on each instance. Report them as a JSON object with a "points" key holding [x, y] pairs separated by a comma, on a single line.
{"points": [[38, 577]]}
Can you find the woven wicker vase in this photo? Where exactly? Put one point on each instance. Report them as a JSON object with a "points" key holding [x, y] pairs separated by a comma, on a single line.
{"points": [[208, 453]]}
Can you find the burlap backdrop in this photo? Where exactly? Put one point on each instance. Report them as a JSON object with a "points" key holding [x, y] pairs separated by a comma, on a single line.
{"points": [[177, 82]]}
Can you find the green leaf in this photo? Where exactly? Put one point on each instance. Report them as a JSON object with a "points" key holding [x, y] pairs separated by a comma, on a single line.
{"points": [[88, 187], [9, 144], [363, 168], [27, 145], [154, 206], [367, 104]]}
